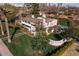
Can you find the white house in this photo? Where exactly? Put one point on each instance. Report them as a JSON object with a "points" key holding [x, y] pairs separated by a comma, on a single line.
{"points": [[49, 23], [29, 26], [31, 23]]}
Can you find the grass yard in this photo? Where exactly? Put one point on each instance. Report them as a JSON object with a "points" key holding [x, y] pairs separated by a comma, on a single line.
{"points": [[11, 30], [21, 46]]}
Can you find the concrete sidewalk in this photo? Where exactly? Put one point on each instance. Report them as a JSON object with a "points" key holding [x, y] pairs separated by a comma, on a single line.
{"points": [[4, 51]]}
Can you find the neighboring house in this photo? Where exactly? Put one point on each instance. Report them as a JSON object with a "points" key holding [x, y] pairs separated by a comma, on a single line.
{"points": [[28, 5], [63, 16], [52, 13], [74, 17]]}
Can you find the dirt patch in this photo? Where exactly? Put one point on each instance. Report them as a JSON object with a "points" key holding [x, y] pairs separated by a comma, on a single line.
{"points": [[71, 51]]}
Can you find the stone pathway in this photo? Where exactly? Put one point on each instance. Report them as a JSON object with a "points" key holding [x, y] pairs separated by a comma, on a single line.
{"points": [[4, 51]]}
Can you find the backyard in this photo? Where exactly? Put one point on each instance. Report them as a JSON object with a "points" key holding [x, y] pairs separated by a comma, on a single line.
{"points": [[21, 45]]}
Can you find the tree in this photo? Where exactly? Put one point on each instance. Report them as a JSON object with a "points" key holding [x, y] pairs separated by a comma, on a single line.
{"points": [[1, 27], [76, 32], [9, 11], [40, 42], [7, 28], [71, 28], [35, 11]]}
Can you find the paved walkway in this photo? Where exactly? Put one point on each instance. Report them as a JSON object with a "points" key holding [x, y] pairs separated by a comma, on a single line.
{"points": [[71, 51], [59, 42], [4, 51]]}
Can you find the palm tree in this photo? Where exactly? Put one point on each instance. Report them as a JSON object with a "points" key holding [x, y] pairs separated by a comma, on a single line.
{"points": [[9, 12], [8, 34], [1, 23], [1, 28]]}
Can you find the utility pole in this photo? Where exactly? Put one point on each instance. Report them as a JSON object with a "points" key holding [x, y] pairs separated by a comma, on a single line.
{"points": [[7, 28], [1, 28]]}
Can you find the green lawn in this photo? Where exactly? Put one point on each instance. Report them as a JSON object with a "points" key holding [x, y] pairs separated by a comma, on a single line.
{"points": [[21, 46], [11, 30]]}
